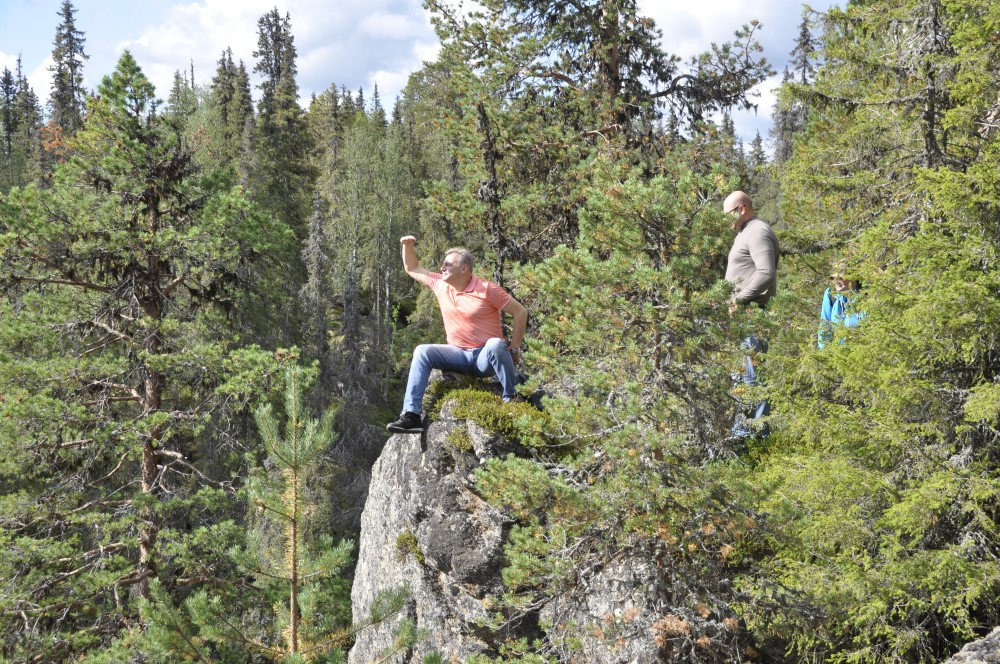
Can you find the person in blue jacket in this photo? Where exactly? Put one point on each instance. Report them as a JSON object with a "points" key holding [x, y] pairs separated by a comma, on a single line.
{"points": [[837, 308]]}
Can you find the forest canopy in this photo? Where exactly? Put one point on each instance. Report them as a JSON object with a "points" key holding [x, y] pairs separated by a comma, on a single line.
{"points": [[204, 326]]}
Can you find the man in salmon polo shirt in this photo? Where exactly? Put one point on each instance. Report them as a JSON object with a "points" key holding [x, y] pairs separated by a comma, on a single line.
{"points": [[470, 308]]}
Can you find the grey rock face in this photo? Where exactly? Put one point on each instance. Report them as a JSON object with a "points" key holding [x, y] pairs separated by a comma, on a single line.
{"points": [[425, 528], [420, 496], [983, 651]]}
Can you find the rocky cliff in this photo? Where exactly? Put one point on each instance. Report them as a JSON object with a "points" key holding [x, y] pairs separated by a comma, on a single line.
{"points": [[983, 651], [425, 527]]}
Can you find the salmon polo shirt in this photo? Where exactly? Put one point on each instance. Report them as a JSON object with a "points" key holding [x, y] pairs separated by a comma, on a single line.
{"points": [[471, 316]]}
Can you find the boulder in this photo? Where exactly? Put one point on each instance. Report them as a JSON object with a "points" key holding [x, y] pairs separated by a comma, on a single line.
{"points": [[983, 651], [423, 528]]}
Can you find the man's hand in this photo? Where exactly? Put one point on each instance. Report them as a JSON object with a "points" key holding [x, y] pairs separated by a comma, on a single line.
{"points": [[515, 354], [408, 240]]}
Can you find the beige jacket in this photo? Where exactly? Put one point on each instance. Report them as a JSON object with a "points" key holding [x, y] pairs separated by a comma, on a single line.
{"points": [[753, 263]]}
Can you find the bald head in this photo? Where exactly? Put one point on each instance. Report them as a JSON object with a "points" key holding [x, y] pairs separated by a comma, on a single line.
{"points": [[736, 199], [738, 204]]}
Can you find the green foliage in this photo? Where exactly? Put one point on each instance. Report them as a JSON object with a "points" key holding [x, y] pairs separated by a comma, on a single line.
{"points": [[145, 292], [407, 545], [460, 439], [281, 498], [20, 128], [114, 438], [632, 328], [68, 93], [537, 90], [879, 488], [515, 420], [307, 605]]}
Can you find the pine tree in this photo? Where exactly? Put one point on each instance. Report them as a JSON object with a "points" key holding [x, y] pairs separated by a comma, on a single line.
{"points": [[67, 100], [287, 555], [120, 375], [571, 80], [629, 325], [284, 502]]}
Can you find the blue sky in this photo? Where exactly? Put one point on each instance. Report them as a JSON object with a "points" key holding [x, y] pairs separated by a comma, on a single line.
{"points": [[357, 43]]}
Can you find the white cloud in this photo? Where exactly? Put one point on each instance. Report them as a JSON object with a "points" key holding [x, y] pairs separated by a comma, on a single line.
{"points": [[392, 26], [689, 30], [388, 81], [351, 42], [427, 51], [748, 123]]}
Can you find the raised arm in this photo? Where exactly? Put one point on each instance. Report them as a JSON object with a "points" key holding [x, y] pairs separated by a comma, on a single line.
{"points": [[410, 261]]}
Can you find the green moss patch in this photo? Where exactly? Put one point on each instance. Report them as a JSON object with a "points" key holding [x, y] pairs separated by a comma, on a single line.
{"points": [[407, 545], [515, 420]]}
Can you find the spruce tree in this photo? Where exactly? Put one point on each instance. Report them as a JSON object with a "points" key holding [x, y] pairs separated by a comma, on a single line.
{"points": [[20, 131], [791, 112], [803, 53], [879, 486], [787, 120], [280, 173], [9, 123], [183, 99], [68, 97], [229, 116], [281, 176]]}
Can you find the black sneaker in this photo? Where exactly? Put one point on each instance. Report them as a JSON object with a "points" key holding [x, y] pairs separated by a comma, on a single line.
{"points": [[407, 423]]}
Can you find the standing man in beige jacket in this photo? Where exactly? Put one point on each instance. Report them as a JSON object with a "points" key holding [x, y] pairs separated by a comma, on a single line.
{"points": [[752, 269], [753, 261]]}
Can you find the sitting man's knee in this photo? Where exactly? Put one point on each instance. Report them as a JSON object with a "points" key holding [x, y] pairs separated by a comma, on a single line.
{"points": [[495, 344], [422, 350]]}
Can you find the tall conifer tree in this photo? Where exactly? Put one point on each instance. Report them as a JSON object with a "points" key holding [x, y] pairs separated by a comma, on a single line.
{"points": [[117, 282], [881, 482], [20, 131], [68, 97], [281, 175], [280, 172]]}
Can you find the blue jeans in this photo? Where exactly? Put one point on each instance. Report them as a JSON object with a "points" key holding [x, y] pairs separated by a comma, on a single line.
{"points": [[493, 359], [749, 376]]}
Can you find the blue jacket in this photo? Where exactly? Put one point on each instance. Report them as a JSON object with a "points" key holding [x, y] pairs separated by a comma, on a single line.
{"points": [[835, 312]]}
